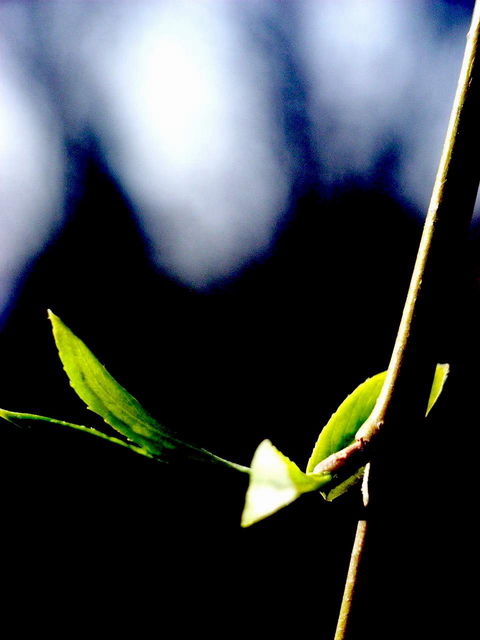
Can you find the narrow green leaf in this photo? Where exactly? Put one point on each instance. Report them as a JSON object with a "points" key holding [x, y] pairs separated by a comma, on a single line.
{"points": [[342, 427], [275, 482], [25, 419], [441, 374], [105, 396], [335, 490]]}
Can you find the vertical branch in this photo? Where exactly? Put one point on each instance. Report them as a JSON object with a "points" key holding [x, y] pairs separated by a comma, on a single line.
{"points": [[403, 400], [406, 389], [351, 583], [344, 616]]}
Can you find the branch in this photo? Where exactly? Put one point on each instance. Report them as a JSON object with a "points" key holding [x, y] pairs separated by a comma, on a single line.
{"points": [[344, 617], [451, 206], [404, 396]]}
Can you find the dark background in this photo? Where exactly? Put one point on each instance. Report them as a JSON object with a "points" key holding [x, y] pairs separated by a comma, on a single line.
{"points": [[268, 352]]}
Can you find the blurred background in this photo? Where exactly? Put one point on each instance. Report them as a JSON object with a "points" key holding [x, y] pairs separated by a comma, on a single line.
{"points": [[224, 200]]}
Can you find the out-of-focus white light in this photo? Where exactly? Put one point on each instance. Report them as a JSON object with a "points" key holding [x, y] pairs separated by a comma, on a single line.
{"points": [[180, 96], [380, 74], [31, 173], [190, 131]]}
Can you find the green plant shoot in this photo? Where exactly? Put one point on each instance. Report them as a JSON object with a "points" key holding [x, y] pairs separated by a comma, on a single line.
{"points": [[275, 481]]}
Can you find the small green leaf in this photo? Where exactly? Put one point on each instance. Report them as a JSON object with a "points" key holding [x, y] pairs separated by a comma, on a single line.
{"points": [[340, 430], [275, 482], [24, 419], [342, 427], [441, 374], [335, 490], [106, 397]]}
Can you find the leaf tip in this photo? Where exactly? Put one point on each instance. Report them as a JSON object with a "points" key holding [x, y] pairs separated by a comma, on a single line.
{"points": [[445, 367], [55, 320], [273, 484]]}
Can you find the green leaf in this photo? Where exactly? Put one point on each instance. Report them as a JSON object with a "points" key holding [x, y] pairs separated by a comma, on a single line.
{"points": [[106, 397], [342, 427], [275, 482], [340, 430], [335, 490], [441, 374], [24, 419]]}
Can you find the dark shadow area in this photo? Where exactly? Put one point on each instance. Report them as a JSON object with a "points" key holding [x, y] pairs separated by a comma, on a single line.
{"points": [[270, 354]]}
